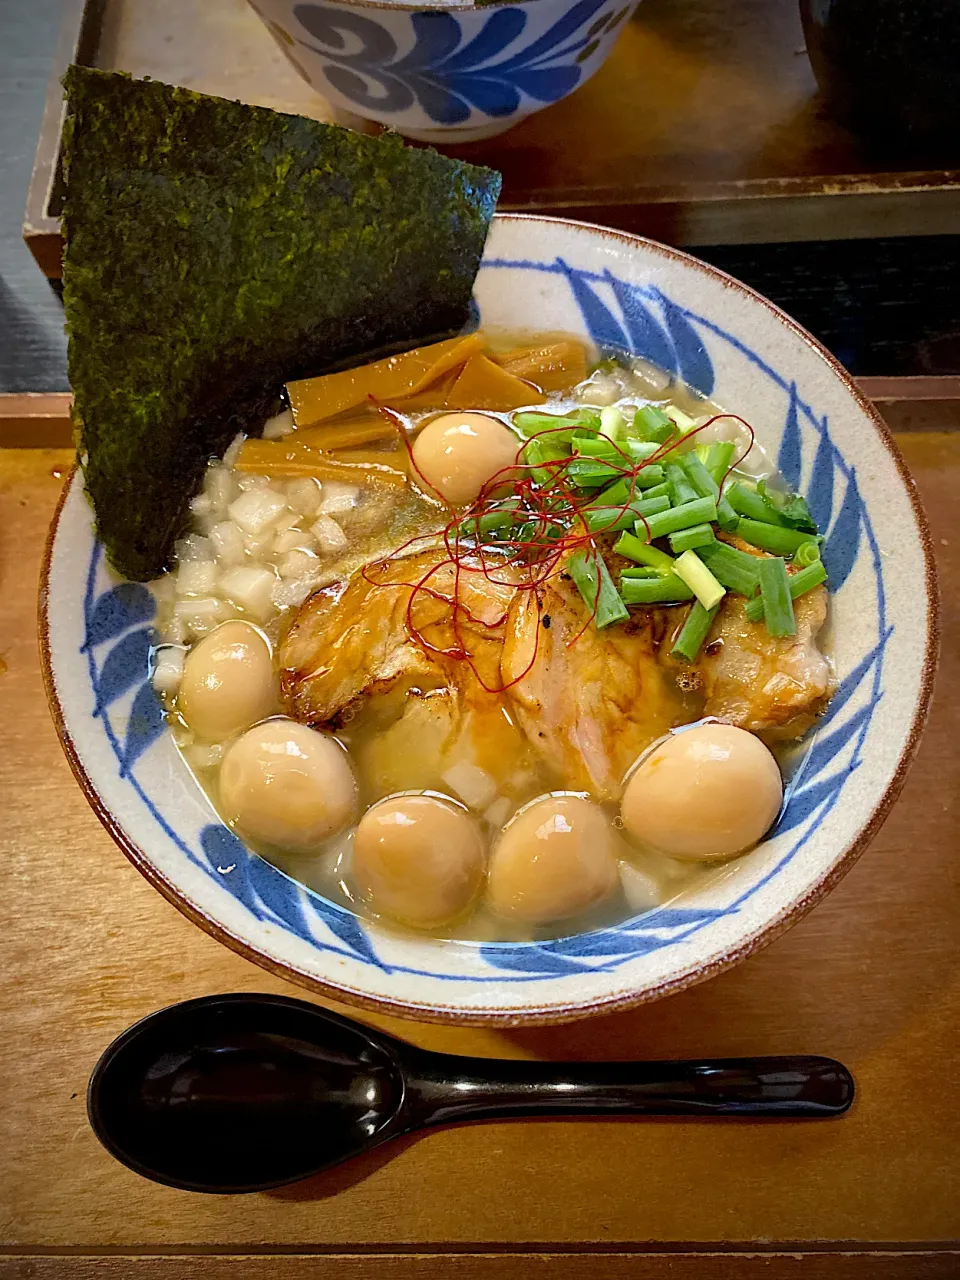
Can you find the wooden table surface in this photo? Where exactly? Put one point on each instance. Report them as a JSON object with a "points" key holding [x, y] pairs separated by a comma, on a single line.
{"points": [[871, 976]]}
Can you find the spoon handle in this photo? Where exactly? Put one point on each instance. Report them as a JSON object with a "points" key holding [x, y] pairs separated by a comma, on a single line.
{"points": [[444, 1088]]}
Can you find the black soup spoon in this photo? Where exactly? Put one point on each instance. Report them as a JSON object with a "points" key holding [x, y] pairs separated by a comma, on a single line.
{"points": [[247, 1092]]}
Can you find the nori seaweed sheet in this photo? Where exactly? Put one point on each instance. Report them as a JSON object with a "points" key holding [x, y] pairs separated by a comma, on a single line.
{"points": [[216, 250]]}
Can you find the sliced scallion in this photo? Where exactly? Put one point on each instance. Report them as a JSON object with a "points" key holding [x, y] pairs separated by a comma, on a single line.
{"points": [[718, 459], [652, 423], [658, 525], [807, 553], [735, 569], [799, 583], [775, 597], [631, 547], [612, 519], [592, 579], [693, 632], [698, 535], [681, 490], [771, 537], [753, 505], [699, 579], [612, 422], [667, 589]]}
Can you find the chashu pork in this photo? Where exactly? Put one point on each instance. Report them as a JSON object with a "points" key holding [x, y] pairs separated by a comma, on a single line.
{"points": [[589, 700]]}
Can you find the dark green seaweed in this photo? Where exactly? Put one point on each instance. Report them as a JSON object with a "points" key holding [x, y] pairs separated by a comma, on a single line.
{"points": [[216, 250]]}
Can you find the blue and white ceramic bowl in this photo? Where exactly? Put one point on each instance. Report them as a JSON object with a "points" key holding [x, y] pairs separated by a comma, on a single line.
{"points": [[446, 70], [729, 342]]}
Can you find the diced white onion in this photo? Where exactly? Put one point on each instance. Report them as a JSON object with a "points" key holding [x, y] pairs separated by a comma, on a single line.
{"points": [[277, 427], [474, 787], [250, 588], [233, 452], [296, 563], [201, 505], [498, 812], [336, 498], [289, 593], [227, 542], [200, 615], [167, 669], [219, 487], [205, 756], [291, 538], [600, 390], [196, 577], [257, 509], [330, 537], [639, 888], [303, 494], [193, 547]]}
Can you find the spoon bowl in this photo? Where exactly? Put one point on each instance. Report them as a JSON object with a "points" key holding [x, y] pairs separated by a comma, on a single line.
{"points": [[249, 1092]]}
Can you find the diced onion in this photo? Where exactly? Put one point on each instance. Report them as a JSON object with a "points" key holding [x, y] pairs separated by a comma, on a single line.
{"points": [[336, 498], [227, 541], [250, 588], [199, 616], [257, 509], [639, 887], [193, 547], [168, 669], [296, 563], [330, 537], [303, 495], [196, 577], [277, 427], [474, 787], [498, 812]]}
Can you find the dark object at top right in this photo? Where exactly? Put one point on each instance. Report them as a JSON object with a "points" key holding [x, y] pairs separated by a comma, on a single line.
{"points": [[890, 69]]}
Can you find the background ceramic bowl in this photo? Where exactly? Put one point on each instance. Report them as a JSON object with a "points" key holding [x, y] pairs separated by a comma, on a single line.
{"points": [[729, 342], [446, 72]]}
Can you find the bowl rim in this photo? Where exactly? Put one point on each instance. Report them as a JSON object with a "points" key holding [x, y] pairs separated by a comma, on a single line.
{"points": [[570, 1011], [460, 6]]}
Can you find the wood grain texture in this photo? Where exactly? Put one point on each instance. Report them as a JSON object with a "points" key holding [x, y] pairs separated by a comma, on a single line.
{"points": [[828, 1265], [872, 976]]}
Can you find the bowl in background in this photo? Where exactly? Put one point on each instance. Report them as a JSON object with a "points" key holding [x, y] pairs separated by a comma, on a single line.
{"points": [[730, 343], [446, 72]]}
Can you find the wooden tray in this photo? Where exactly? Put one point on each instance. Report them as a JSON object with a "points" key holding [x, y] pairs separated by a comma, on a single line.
{"points": [[703, 127], [871, 976]]}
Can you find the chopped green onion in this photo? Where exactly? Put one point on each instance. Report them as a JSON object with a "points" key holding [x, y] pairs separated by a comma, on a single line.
{"points": [[698, 535], [640, 571], [753, 505], [612, 422], [653, 424], [650, 476], [699, 579], [625, 489], [807, 553], [793, 509], [800, 583], [658, 525], [683, 421], [771, 537], [541, 450], [592, 579], [561, 426], [611, 519], [631, 547], [737, 570], [592, 473], [658, 491], [499, 518], [727, 518], [699, 477], [693, 632], [718, 459], [681, 490], [668, 589], [775, 597], [586, 417]]}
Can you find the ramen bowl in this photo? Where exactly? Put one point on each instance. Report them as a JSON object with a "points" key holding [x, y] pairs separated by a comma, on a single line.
{"points": [[715, 335], [446, 72]]}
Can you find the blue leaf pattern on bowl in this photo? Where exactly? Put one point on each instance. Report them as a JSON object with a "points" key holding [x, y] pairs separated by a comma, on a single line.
{"points": [[645, 322], [445, 78]]}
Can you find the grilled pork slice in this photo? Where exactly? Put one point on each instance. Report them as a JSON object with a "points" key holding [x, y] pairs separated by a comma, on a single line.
{"points": [[589, 700], [353, 639], [775, 687]]}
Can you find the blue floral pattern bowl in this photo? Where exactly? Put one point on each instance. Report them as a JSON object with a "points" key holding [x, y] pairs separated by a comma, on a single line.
{"points": [[729, 342], [446, 73]]}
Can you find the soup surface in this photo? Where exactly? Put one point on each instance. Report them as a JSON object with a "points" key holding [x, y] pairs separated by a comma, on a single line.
{"points": [[495, 640]]}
